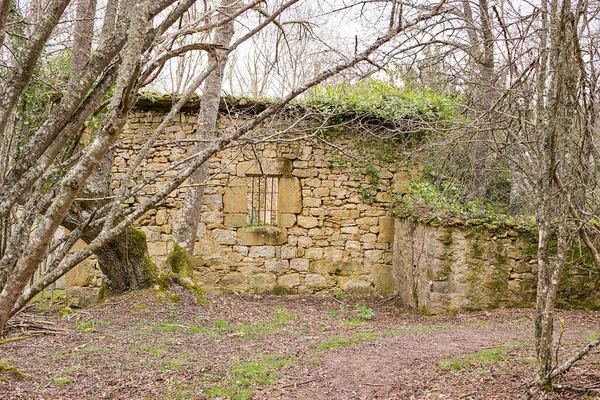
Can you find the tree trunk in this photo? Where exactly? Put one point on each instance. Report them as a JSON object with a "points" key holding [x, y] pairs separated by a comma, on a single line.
{"points": [[207, 123], [125, 262]]}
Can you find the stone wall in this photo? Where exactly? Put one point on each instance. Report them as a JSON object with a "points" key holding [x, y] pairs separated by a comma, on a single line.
{"points": [[447, 269], [333, 232]]}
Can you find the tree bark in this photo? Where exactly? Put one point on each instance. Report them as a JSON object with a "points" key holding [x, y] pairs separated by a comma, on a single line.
{"points": [[206, 129], [125, 261]]}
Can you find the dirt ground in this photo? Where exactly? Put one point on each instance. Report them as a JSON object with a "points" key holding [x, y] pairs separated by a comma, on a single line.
{"points": [[138, 346]]}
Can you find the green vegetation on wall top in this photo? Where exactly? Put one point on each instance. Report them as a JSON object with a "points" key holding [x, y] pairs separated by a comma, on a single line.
{"points": [[445, 205], [382, 100]]}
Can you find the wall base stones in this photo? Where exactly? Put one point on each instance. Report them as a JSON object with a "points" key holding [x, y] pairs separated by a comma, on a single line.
{"points": [[440, 270]]}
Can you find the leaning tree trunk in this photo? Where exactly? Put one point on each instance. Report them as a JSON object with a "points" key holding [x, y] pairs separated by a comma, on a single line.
{"points": [[125, 261], [185, 234]]}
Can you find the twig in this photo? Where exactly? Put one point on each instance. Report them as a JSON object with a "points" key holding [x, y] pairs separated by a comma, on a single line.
{"points": [[297, 383], [342, 303], [576, 389], [372, 384], [16, 339], [388, 299], [241, 298], [464, 396]]}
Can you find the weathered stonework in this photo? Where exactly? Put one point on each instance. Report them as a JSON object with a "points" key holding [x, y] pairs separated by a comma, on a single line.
{"points": [[327, 238], [441, 269]]}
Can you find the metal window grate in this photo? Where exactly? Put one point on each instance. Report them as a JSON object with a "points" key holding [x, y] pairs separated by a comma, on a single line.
{"points": [[264, 200]]}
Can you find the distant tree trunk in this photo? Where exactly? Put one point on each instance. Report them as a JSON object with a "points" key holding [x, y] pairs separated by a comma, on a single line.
{"points": [[482, 44], [185, 234]]}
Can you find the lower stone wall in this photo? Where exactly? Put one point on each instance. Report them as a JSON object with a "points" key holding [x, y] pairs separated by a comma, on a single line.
{"points": [[447, 269], [333, 230]]}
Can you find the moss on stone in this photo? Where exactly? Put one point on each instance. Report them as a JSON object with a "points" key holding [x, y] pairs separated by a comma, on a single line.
{"points": [[180, 270]]}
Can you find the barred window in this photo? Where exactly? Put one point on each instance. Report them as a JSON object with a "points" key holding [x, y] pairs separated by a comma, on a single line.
{"points": [[264, 200]]}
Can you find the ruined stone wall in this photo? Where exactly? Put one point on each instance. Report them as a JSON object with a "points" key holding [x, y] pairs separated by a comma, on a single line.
{"points": [[447, 269], [333, 230]]}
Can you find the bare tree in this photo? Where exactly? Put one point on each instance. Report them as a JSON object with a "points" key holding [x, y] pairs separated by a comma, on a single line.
{"points": [[47, 183]]}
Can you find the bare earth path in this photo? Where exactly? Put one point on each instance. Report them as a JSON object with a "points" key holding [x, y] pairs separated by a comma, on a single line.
{"points": [[140, 347]]}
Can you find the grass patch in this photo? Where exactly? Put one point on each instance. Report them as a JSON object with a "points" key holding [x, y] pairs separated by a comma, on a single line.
{"points": [[484, 358], [247, 376], [166, 327], [61, 381], [364, 312], [417, 329], [88, 326], [153, 351], [251, 330], [355, 322], [343, 341]]}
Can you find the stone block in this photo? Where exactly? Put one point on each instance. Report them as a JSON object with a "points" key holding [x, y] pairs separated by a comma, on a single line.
{"points": [[353, 245], [212, 217], [315, 281], [80, 297], [287, 220], [383, 278], [356, 286], [321, 191], [322, 267], [82, 275], [235, 281], [401, 181], [289, 282], [288, 252], [269, 167], [305, 241], [224, 236], [353, 230], [161, 217], [261, 235], [383, 197], [349, 268], [314, 253], [306, 173], [386, 230], [262, 283], [312, 202], [157, 249], [299, 264], [374, 255], [237, 220], [290, 196], [262, 251], [235, 199], [277, 266], [307, 222], [368, 238], [335, 255]]}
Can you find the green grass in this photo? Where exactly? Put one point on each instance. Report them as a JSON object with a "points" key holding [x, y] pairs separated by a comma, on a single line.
{"points": [[88, 326], [247, 376], [355, 322], [252, 330], [166, 327], [61, 381], [484, 358], [364, 312], [153, 351], [343, 341]]}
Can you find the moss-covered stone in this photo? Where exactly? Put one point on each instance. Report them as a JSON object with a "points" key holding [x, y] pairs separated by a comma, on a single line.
{"points": [[180, 270]]}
